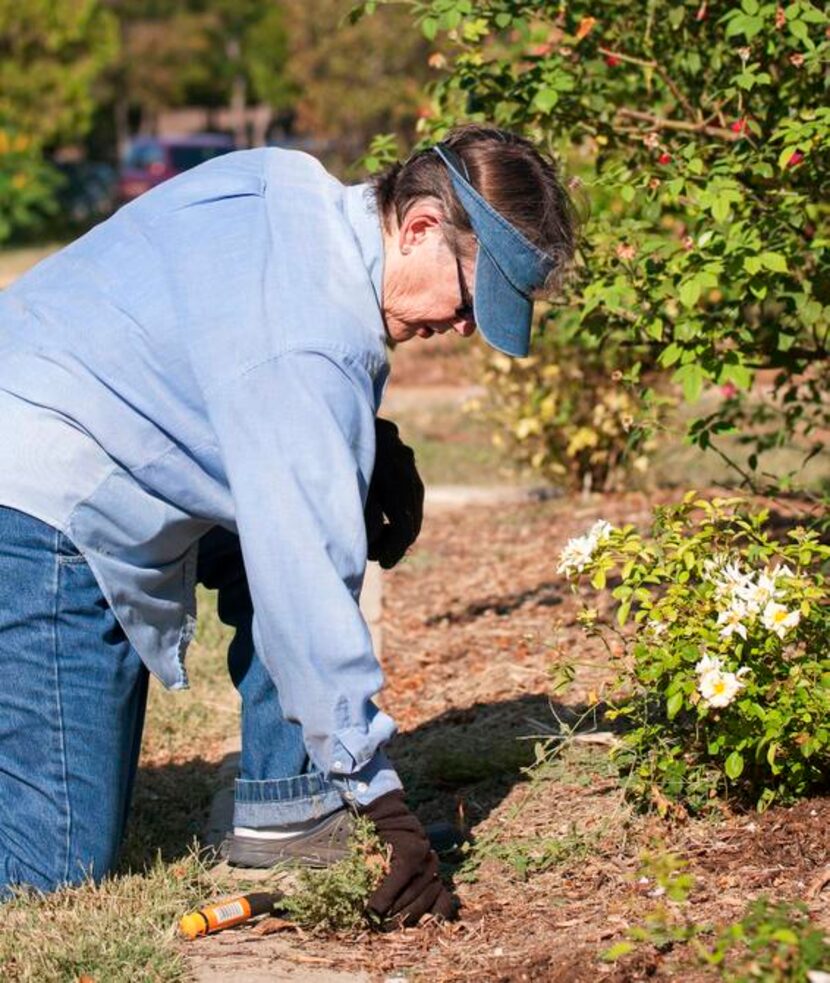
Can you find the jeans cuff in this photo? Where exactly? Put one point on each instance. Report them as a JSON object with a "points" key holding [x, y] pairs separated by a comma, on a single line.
{"points": [[278, 801]]}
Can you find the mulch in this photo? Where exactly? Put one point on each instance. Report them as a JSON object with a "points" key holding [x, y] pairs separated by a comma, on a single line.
{"points": [[473, 621]]}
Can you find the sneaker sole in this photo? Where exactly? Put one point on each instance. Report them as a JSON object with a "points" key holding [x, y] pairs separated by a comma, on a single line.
{"points": [[323, 847]]}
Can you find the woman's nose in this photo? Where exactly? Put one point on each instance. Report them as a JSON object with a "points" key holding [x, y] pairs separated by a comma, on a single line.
{"points": [[464, 327]]}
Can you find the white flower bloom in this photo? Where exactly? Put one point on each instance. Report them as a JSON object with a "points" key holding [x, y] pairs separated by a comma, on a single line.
{"points": [[578, 552], [657, 627], [600, 531], [708, 663], [731, 579], [719, 688], [713, 566], [576, 555], [758, 593], [732, 620], [778, 619]]}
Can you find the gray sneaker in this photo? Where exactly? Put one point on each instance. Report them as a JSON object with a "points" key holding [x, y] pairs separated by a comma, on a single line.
{"points": [[320, 846]]}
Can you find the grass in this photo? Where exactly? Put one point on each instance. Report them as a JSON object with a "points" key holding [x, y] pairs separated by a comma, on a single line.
{"points": [[120, 930], [451, 446], [125, 927]]}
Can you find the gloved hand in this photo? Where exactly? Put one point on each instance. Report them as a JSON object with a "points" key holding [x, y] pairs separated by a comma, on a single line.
{"points": [[396, 492], [412, 887]]}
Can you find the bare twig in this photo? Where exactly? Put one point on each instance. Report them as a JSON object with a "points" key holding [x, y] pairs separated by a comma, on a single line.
{"points": [[663, 123], [664, 75]]}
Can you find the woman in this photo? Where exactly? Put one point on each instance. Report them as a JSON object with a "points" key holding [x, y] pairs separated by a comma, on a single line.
{"points": [[189, 392]]}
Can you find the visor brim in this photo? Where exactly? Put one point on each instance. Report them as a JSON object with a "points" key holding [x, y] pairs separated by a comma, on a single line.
{"points": [[503, 315]]}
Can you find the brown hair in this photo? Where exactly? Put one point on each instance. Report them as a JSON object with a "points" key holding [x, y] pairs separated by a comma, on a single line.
{"points": [[515, 178]]}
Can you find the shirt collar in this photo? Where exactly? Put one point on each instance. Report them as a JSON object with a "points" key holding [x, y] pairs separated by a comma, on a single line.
{"points": [[362, 214]]}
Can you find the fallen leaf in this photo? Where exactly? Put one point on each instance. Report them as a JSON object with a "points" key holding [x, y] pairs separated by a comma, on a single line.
{"points": [[272, 924]]}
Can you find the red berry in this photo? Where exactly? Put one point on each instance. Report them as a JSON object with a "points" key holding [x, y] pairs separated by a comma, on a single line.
{"points": [[796, 157], [739, 126], [612, 61], [664, 158]]}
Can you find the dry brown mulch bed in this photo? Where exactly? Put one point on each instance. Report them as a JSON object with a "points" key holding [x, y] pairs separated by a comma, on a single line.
{"points": [[473, 621]]}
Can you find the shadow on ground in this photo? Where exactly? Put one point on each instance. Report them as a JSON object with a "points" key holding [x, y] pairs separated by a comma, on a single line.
{"points": [[465, 762], [459, 766], [170, 804]]}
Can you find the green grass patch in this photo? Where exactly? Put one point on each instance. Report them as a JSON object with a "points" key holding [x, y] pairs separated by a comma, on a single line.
{"points": [[120, 930], [526, 856], [453, 447]]}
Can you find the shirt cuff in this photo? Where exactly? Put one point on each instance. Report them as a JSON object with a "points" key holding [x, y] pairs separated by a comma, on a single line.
{"points": [[350, 749], [373, 780]]}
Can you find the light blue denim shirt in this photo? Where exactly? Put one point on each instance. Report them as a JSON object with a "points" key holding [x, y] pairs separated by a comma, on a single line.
{"points": [[214, 353]]}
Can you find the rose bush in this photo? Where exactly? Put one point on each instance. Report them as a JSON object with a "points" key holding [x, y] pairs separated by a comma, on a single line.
{"points": [[701, 132], [725, 670]]}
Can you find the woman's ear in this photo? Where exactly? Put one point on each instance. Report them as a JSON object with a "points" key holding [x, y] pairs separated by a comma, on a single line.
{"points": [[424, 218]]}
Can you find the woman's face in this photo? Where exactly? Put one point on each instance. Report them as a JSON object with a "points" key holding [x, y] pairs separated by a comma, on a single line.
{"points": [[424, 288]]}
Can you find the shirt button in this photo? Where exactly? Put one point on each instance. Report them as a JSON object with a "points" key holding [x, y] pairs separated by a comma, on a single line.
{"points": [[338, 765], [362, 786], [348, 796]]}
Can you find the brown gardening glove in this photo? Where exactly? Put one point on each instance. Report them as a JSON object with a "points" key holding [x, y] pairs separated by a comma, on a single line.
{"points": [[395, 503], [412, 887]]}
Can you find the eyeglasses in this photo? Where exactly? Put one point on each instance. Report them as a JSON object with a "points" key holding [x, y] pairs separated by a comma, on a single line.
{"points": [[464, 311]]}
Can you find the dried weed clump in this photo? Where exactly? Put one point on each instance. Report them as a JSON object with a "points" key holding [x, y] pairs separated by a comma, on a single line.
{"points": [[334, 899]]}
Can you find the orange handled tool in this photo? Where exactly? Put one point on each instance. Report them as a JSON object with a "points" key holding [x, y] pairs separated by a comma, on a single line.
{"points": [[230, 911]]}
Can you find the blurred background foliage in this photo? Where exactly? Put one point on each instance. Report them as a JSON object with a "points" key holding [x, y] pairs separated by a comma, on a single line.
{"points": [[80, 77]]}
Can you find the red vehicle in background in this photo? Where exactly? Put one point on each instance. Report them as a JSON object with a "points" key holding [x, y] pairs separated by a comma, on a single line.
{"points": [[151, 160]]}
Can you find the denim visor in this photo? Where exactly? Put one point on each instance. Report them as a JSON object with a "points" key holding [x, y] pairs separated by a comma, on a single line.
{"points": [[508, 267]]}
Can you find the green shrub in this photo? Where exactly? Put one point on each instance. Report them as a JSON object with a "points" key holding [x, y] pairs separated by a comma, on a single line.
{"points": [[727, 663]]}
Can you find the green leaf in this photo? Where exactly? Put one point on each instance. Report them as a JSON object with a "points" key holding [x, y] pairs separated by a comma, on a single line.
{"points": [[670, 354], [690, 292], [691, 377], [734, 765], [673, 705], [545, 100], [752, 264], [429, 28], [617, 950], [799, 30], [720, 209], [623, 612], [749, 6], [774, 262]]}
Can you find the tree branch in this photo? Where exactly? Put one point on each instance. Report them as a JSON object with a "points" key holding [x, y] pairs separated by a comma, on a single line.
{"points": [[662, 123], [664, 75]]}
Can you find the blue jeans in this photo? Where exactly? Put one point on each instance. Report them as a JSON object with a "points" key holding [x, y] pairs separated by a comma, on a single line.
{"points": [[72, 699]]}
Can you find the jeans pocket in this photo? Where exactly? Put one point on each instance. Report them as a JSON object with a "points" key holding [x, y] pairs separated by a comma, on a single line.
{"points": [[67, 551]]}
